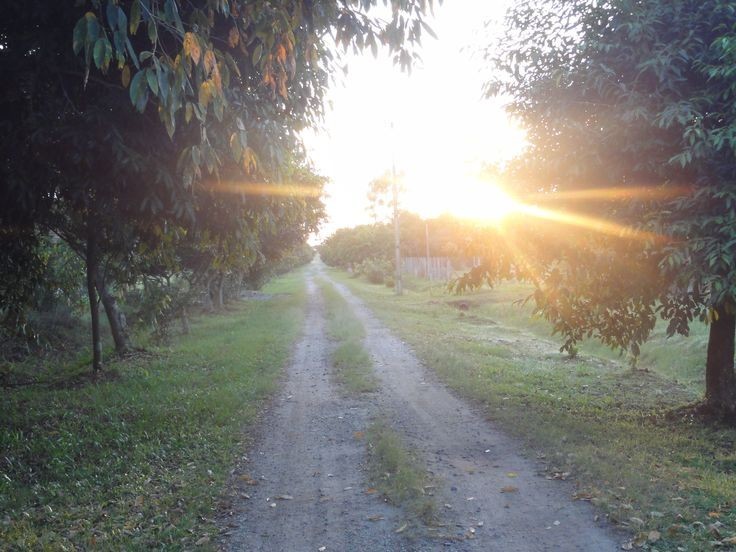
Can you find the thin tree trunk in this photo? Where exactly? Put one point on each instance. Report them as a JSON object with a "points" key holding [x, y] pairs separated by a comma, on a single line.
{"points": [[115, 317], [220, 292], [720, 379], [209, 301], [92, 264], [185, 329]]}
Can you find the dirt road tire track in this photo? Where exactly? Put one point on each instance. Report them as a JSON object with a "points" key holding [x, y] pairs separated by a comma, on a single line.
{"points": [[308, 450]]}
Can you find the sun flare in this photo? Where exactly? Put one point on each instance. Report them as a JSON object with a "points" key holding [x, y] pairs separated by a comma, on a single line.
{"points": [[466, 197]]}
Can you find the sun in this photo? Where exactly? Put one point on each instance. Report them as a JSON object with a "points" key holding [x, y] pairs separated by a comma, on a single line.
{"points": [[464, 197]]}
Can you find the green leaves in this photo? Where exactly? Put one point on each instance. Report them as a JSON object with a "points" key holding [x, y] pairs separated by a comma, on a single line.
{"points": [[85, 35], [139, 91], [102, 54]]}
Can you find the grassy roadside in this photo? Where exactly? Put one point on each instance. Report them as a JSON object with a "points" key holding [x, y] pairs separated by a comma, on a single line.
{"points": [[353, 366], [137, 460], [665, 476]]}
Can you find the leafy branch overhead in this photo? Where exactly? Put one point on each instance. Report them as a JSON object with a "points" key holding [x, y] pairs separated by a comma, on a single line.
{"points": [[196, 61]]}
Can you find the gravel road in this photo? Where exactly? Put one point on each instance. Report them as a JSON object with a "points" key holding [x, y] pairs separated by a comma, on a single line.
{"points": [[303, 485]]}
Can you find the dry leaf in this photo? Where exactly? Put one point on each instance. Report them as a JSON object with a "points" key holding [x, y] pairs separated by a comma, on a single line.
{"points": [[375, 517], [358, 435], [402, 528], [509, 489], [248, 480], [370, 490]]}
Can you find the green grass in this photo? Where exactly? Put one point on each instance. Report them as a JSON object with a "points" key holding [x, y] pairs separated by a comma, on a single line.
{"points": [[352, 363], [398, 474], [138, 459], [625, 436]]}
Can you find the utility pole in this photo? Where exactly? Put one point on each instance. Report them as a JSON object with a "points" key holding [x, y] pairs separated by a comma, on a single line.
{"points": [[397, 230], [426, 242]]}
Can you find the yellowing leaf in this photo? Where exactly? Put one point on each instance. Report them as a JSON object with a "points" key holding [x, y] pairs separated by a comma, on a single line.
{"points": [[125, 76], [209, 61], [205, 93], [191, 47], [509, 489], [233, 37]]}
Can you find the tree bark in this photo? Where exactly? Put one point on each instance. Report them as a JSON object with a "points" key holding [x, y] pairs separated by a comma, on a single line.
{"points": [[116, 319], [92, 265], [720, 379]]}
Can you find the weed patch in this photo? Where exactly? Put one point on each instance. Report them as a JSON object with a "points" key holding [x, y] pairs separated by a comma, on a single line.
{"points": [[399, 475]]}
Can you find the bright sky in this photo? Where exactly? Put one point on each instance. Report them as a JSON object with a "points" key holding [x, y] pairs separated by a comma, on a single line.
{"points": [[443, 129]]}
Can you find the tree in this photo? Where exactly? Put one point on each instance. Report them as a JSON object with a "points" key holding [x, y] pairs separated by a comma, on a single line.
{"points": [[123, 121], [628, 104]]}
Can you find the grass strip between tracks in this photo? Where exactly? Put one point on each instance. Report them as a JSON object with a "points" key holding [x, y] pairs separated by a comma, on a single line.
{"points": [[352, 363]]}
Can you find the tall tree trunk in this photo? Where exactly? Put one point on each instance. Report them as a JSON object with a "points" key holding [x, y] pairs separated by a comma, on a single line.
{"points": [[116, 319], [92, 263], [720, 379]]}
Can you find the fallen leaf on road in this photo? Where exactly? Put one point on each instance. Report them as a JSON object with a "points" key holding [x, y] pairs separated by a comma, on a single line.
{"points": [[370, 490], [358, 435], [248, 480], [402, 528], [509, 489], [284, 497], [512, 474], [375, 517], [582, 496]]}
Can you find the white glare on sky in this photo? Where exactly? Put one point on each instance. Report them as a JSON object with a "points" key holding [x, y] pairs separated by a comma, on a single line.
{"points": [[443, 129]]}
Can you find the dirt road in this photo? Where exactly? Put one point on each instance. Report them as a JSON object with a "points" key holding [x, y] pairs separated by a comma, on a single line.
{"points": [[303, 486]]}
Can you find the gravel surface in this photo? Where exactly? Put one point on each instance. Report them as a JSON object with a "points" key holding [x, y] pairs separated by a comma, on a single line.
{"points": [[306, 481]]}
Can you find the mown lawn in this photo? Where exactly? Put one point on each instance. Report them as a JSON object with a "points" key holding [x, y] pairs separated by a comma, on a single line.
{"points": [[625, 437], [139, 459]]}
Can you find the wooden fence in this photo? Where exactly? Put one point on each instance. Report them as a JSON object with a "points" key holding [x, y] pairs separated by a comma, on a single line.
{"points": [[436, 268]]}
